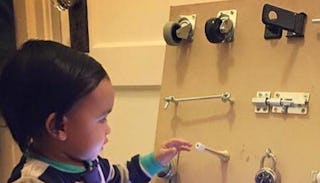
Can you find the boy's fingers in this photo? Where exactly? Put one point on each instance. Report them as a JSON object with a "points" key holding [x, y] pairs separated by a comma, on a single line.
{"points": [[185, 148], [174, 142], [179, 143]]}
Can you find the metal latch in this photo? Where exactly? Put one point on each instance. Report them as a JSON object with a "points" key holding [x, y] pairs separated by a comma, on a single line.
{"points": [[282, 102], [276, 19]]}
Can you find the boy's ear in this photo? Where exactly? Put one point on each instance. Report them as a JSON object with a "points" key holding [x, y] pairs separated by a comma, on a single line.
{"points": [[57, 132]]}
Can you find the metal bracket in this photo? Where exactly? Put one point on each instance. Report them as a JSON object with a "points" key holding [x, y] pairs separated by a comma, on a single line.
{"points": [[260, 102], [229, 18], [221, 29], [229, 14], [187, 23], [276, 19], [282, 102], [174, 32]]}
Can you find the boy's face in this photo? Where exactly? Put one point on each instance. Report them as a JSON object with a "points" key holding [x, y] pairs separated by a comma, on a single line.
{"points": [[87, 125]]}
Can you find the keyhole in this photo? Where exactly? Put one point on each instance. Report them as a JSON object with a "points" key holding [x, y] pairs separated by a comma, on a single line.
{"points": [[272, 15]]}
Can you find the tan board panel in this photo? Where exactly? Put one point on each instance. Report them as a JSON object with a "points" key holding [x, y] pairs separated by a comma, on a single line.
{"points": [[247, 65]]}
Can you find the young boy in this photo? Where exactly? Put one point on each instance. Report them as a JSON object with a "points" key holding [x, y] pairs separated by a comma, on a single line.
{"points": [[55, 101]]}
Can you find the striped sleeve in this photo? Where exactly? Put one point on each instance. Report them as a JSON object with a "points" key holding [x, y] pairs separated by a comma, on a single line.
{"points": [[28, 180], [134, 170]]}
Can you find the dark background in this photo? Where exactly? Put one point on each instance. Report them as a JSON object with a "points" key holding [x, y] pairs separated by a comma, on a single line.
{"points": [[7, 30]]}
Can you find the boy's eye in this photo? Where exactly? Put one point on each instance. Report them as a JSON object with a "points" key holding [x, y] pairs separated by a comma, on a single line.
{"points": [[102, 119]]}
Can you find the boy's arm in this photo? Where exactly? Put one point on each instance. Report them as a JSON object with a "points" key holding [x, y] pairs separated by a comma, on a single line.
{"points": [[140, 169], [170, 149], [133, 171]]}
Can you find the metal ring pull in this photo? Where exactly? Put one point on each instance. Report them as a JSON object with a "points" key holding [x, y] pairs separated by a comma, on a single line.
{"points": [[223, 155]]}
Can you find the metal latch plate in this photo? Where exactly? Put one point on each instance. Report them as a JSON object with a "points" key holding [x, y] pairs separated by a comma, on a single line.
{"points": [[186, 20], [300, 103], [232, 15], [260, 102]]}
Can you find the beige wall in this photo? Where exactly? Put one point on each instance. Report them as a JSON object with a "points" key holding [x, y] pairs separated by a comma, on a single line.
{"points": [[127, 39]]}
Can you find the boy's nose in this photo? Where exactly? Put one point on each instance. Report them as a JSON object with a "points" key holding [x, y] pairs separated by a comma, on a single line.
{"points": [[108, 128]]}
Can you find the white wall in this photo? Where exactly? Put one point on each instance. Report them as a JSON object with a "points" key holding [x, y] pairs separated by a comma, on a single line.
{"points": [[126, 37], [132, 123]]}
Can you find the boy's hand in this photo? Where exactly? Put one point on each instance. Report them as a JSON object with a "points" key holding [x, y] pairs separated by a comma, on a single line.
{"points": [[170, 149]]}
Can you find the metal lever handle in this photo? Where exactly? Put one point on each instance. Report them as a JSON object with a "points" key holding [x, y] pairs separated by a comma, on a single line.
{"points": [[223, 155], [225, 97]]}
